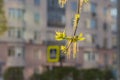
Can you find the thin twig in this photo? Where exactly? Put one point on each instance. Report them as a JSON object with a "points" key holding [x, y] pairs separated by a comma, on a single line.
{"points": [[75, 30]]}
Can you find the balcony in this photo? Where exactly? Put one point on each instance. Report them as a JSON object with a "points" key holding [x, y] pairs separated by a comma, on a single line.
{"points": [[56, 24], [15, 61]]}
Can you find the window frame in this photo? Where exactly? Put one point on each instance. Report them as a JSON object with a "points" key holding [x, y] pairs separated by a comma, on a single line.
{"points": [[36, 2]]}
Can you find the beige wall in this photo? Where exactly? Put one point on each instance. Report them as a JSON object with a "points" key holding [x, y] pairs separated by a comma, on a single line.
{"points": [[30, 60]]}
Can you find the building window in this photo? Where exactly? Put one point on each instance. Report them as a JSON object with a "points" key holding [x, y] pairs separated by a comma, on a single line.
{"points": [[88, 38], [56, 20], [53, 3], [93, 24], [86, 9], [114, 56], [74, 6], [96, 56], [113, 1], [86, 56], [105, 42], [114, 41], [114, 28], [36, 2], [2, 64], [28, 36], [94, 38], [11, 32], [36, 35], [11, 51], [105, 26], [12, 13], [15, 51], [19, 51], [50, 36], [19, 33], [93, 7], [87, 23], [63, 19], [93, 57], [15, 32], [113, 12], [16, 13], [106, 59], [36, 17], [89, 56], [55, 14], [21, 0], [20, 14], [104, 10]]}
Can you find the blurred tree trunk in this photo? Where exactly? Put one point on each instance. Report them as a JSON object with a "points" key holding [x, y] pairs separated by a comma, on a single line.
{"points": [[3, 21]]}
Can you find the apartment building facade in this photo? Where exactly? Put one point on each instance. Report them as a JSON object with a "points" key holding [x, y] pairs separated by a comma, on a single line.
{"points": [[32, 25]]}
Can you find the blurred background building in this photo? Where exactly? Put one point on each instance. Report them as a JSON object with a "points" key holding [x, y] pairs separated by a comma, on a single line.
{"points": [[32, 25]]}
